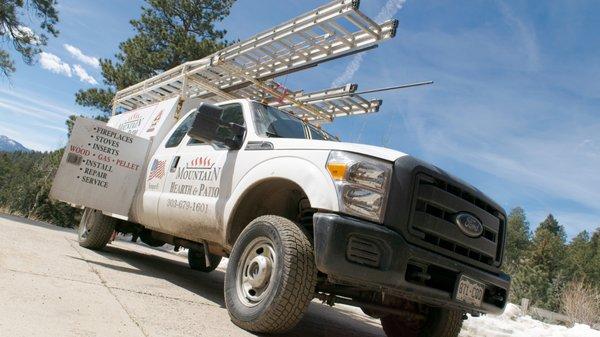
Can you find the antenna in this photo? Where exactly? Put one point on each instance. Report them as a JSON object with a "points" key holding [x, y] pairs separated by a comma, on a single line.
{"points": [[397, 87]]}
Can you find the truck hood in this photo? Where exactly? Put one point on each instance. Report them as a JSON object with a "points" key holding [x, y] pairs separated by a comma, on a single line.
{"points": [[310, 144]]}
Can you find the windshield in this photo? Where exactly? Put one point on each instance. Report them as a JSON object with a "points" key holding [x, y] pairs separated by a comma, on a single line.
{"points": [[272, 122]]}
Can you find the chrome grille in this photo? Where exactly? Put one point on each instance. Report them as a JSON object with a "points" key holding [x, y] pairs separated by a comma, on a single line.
{"points": [[435, 204]]}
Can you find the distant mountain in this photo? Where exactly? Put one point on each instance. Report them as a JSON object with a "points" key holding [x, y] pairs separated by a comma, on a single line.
{"points": [[9, 145]]}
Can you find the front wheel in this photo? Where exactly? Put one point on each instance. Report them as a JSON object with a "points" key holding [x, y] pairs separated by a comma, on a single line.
{"points": [[271, 276], [95, 229], [438, 322]]}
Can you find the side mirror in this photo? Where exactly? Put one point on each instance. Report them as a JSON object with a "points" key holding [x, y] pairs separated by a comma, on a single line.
{"points": [[209, 127]]}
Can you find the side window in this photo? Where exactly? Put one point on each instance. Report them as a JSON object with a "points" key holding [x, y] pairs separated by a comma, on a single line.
{"points": [[181, 131], [320, 134], [315, 133]]}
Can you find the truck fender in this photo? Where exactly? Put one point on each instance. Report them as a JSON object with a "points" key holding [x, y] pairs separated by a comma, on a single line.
{"points": [[314, 181]]}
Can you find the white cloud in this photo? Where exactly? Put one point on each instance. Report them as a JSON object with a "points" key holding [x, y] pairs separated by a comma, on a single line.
{"points": [[525, 33], [26, 108], [83, 75], [32, 100], [54, 64], [489, 134], [80, 56], [349, 72], [390, 9]]}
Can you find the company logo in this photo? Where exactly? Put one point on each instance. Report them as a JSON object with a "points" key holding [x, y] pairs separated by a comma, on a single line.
{"points": [[130, 122], [468, 224], [133, 116], [157, 170], [200, 163], [155, 121]]}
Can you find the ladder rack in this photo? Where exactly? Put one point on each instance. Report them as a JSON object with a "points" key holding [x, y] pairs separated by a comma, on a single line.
{"points": [[248, 69]]}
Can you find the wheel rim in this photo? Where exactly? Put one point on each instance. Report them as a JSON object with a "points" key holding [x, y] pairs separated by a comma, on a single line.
{"points": [[256, 269]]}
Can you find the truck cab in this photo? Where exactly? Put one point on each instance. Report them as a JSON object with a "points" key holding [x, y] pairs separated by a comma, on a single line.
{"points": [[204, 180]]}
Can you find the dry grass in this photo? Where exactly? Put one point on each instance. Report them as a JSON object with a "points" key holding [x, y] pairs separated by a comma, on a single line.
{"points": [[581, 302]]}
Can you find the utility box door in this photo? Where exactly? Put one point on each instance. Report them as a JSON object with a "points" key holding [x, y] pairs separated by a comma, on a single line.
{"points": [[101, 167]]}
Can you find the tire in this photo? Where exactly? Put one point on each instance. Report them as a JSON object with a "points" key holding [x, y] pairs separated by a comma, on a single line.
{"points": [[439, 323], [290, 276], [198, 262], [95, 229]]}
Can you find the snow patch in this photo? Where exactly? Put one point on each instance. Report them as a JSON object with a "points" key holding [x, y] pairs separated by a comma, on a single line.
{"points": [[9, 145], [512, 323]]}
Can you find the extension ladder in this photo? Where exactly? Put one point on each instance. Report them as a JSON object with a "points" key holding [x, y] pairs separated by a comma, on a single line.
{"points": [[248, 69]]}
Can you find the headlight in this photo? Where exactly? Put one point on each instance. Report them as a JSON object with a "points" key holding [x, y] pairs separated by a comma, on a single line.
{"points": [[362, 184]]}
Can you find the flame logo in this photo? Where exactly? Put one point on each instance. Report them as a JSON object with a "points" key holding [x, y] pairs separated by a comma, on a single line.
{"points": [[200, 163]]}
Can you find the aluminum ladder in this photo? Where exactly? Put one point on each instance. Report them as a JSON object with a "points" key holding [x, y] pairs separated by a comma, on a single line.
{"points": [[248, 68]]}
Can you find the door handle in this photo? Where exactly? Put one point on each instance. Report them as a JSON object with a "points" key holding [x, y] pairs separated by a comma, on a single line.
{"points": [[174, 164]]}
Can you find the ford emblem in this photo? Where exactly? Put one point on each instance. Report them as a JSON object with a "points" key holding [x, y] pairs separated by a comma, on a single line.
{"points": [[468, 224]]}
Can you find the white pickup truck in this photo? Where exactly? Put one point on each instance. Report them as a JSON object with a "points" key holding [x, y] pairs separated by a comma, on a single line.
{"points": [[299, 214]]}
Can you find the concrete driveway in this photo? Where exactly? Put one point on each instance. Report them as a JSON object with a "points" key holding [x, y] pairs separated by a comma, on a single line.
{"points": [[49, 286]]}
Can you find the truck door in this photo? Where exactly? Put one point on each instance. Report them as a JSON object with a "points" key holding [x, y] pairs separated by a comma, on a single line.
{"points": [[158, 168], [198, 183]]}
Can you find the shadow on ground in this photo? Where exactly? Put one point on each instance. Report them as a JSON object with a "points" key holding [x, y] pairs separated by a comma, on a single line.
{"points": [[320, 320]]}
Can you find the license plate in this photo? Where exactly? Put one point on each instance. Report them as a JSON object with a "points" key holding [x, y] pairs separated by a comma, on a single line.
{"points": [[469, 291]]}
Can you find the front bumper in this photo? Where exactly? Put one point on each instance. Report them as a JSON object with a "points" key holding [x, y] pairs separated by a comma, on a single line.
{"points": [[363, 254]]}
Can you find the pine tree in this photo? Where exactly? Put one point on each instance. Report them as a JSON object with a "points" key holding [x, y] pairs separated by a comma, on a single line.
{"points": [[546, 254], [592, 267], [24, 39], [547, 249], [26, 179], [168, 33], [579, 254], [552, 225], [528, 281], [518, 237], [554, 289]]}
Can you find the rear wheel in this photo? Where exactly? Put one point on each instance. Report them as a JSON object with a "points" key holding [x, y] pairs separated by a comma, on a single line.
{"points": [[197, 261], [271, 276], [95, 229], [439, 322]]}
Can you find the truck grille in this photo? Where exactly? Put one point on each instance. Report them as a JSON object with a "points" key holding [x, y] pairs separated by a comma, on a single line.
{"points": [[436, 203]]}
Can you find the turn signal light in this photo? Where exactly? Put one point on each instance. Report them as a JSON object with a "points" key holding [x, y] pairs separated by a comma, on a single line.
{"points": [[337, 170]]}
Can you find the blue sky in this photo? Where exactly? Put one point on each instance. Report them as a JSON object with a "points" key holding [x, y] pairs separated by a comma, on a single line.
{"points": [[514, 109]]}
